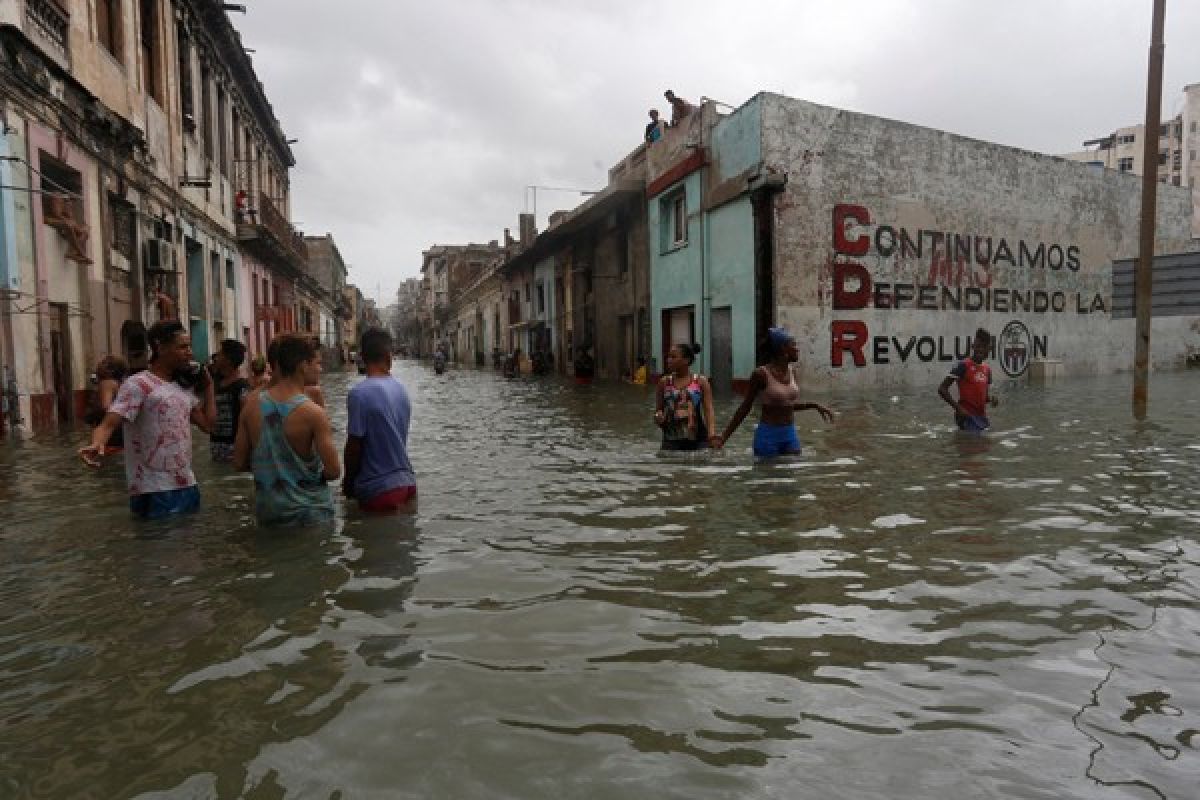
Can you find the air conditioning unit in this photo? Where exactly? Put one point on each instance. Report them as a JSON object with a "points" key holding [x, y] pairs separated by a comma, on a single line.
{"points": [[158, 255]]}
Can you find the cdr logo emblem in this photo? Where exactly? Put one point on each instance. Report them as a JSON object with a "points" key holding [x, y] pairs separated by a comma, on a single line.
{"points": [[1014, 347]]}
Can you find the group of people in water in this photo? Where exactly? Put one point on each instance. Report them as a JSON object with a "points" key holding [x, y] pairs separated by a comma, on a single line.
{"points": [[272, 424], [683, 406]]}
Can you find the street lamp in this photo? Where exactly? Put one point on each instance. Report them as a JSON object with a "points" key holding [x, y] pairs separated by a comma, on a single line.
{"points": [[534, 189]]}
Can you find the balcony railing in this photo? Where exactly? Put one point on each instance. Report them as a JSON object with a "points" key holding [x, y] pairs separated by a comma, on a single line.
{"points": [[52, 21], [274, 221], [268, 228]]}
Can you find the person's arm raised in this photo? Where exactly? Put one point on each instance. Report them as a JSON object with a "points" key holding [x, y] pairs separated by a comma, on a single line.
{"points": [[205, 414]]}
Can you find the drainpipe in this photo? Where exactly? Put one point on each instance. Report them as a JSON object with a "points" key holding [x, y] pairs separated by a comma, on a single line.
{"points": [[705, 298]]}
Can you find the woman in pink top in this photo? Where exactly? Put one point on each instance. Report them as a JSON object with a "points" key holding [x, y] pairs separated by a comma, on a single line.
{"points": [[775, 384]]}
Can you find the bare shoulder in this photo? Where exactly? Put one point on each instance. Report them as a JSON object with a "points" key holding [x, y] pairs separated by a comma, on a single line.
{"points": [[313, 413]]}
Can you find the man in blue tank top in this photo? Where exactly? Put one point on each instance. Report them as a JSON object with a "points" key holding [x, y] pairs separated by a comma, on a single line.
{"points": [[378, 472]]}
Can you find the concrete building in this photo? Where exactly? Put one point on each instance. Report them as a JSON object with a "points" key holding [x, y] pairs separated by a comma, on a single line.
{"points": [[883, 245], [584, 282], [447, 270], [406, 327], [129, 129], [479, 317], [1178, 147], [328, 270], [352, 304]]}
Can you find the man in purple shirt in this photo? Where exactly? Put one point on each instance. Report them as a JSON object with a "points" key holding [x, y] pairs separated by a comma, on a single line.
{"points": [[378, 472]]}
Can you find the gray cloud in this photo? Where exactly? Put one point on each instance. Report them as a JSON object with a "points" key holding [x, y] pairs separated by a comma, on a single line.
{"points": [[422, 123]]}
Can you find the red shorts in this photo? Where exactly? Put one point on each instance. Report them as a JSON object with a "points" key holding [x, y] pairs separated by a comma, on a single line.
{"points": [[402, 498]]}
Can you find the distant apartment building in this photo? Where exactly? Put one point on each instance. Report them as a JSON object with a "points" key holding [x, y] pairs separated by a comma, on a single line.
{"points": [[447, 271], [328, 270], [1178, 145]]}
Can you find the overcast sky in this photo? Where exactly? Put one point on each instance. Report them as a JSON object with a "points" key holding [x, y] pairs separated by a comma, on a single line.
{"points": [[422, 123]]}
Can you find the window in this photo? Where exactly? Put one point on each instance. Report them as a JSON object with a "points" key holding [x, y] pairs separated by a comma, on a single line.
{"points": [[1125, 165], [541, 295], [673, 220], [1175, 180], [124, 221], [229, 276], [151, 71], [1164, 129], [109, 28], [187, 98], [206, 120], [61, 188], [679, 219], [222, 144], [1162, 156], [1128, 138], [236, 125], [218, 310]]}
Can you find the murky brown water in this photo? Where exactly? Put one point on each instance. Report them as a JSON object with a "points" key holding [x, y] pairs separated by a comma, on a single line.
{"points": [[901, 614]]}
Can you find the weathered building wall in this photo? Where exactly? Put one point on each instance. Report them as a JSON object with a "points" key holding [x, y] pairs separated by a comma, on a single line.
{"points": [[543, 309], [730, 290], [895, 242], [18, 309], [621, 283]]}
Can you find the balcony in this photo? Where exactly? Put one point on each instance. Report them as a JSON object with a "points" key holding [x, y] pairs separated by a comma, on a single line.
{"points": [[50, 23], [266, 233]]}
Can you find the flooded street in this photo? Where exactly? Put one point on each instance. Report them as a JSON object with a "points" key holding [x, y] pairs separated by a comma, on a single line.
{"points": [[903, 613]]}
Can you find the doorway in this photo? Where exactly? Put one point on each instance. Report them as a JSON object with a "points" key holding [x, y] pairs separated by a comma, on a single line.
{"points": [[721, 356], [625, 353], [60, 362], [679, 327]]}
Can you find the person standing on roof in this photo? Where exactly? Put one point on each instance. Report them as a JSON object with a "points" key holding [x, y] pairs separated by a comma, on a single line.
{"points": [[680, 109]]}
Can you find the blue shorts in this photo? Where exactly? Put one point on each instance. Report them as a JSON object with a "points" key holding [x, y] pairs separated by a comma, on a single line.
{"points": [[156, 505], [973, 424], [775, 440]]}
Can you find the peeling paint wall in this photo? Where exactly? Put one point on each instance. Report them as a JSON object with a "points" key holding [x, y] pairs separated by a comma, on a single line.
{"points": [[895, 242]]}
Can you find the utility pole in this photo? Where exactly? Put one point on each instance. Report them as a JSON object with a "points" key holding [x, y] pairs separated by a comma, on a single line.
{"points": [[1143, 287]]}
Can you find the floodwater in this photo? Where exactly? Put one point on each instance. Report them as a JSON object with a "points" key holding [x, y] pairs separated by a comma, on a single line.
{"points": [[902, 613]]}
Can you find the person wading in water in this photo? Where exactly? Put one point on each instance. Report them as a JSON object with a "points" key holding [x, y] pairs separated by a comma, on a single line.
{"points": [[776, 385], [284, 438], [683, 405], [156, 413]]}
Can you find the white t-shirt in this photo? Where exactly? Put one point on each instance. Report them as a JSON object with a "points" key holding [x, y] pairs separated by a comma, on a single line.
{"points": [[158, 433]]}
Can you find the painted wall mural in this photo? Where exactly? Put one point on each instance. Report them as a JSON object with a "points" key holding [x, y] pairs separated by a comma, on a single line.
{"points": [[939, 271]]}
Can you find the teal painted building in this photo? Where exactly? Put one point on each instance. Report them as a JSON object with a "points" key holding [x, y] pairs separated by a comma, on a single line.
{"points": [[708, 283]]}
